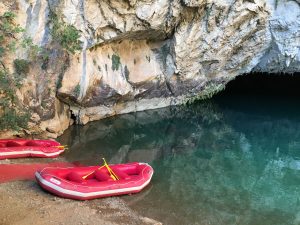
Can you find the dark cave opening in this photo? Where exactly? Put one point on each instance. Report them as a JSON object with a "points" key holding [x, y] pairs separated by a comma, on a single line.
{"points": [[264, 84], [262, 93]]}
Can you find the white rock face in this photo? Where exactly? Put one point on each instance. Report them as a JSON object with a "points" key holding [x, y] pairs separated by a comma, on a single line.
{"points": [[147, 54], [283, 54], [225, 40], [165, 50]]}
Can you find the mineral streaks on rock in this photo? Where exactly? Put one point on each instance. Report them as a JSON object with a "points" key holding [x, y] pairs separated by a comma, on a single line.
{"points": [[221, 40], [116, 70], [283, 54], [161, 49], [108, 20], [148, 54]]}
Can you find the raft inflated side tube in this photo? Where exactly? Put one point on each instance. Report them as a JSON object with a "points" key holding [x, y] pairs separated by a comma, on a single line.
{"points": [[19, 148], [69, 182]]}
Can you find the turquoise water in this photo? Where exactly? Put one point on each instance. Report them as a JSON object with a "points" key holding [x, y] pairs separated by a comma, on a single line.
{"points": [[230, 160]]}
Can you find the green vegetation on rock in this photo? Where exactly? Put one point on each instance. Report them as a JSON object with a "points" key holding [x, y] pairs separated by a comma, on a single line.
{"points": [[126, 72], [116, 62], [66, 35], [209, 90], [12, 114], [77, 90], [21, 66]]}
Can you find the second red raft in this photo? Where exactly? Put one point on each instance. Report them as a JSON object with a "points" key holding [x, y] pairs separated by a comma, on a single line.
{"points": [[18, 148], [75, 184]]}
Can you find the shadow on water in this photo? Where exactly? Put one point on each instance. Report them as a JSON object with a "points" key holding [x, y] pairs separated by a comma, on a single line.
{"points": [[232, 160]]}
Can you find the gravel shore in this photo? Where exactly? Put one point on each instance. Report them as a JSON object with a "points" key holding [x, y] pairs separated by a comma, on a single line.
{"points": [[24, 202]]}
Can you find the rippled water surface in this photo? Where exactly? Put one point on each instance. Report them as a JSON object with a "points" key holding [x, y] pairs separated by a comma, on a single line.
{"points": [[232, 160]]}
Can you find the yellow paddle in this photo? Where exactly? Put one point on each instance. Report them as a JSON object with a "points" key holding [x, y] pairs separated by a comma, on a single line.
{"points": [[111, 172], [64, 147]]}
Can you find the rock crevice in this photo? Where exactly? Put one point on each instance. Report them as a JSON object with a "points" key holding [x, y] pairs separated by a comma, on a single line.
{"points": [[139, 55]]}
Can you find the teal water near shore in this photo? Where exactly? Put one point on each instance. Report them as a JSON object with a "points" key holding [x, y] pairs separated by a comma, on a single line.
{"points": [[229, 160]]}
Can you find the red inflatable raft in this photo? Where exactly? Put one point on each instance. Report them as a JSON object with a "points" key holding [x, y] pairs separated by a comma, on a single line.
{"points": [[83, 183], [18, 148]]}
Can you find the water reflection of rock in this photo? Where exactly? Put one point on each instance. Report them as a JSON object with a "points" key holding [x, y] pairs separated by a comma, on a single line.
{"points": [[212, 166], [232, 177], [224, 189], [120, 156], [150, 135]]}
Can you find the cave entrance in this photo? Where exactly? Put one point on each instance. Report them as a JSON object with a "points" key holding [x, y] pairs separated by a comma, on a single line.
{"points": [[264, 84], [262, 92]]}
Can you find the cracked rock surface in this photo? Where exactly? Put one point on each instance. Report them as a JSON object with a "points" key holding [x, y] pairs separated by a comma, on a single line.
{"points": [[147, 54]]}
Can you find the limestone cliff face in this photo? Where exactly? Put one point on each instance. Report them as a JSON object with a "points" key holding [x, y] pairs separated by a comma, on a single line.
{"points": [[283, 54], [139, 55]]}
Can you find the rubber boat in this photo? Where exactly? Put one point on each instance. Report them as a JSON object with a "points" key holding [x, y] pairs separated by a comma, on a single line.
{"points": [[19, 148], [84, 183]]}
